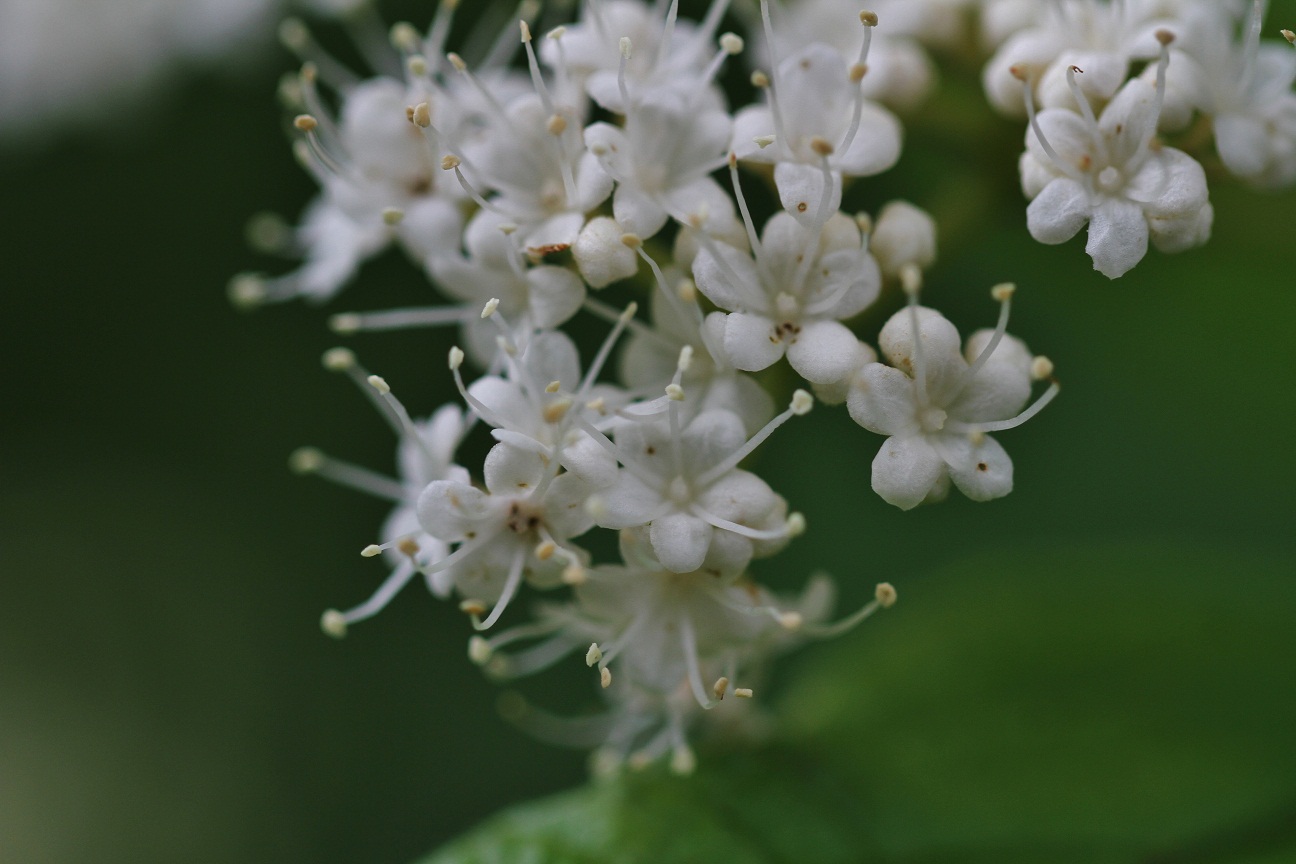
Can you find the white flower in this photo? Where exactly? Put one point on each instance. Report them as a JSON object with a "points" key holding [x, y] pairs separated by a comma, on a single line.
{"points": [[1246, 88], [1098, 36], [791, 298], [936, 406], [1107, 172], [684, 484], [817, 127], [425, 455], [662, 161], [669, 60]]}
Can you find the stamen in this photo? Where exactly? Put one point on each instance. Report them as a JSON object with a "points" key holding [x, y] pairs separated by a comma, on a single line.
{"points": [[436, 39], [801, 404], [1012, 423], [752, 238], [884, 597], [1086, 109], [1004, 294], [689, 644], [1165, 37], [911, 279], [715, 521], [506, 596], [579, 733], [308, 460], [1019, 72], [335, 623], [605, 350], [668, 32], [399, 319], [506, 44], [297, 38], [408, 428], [857, 73]]}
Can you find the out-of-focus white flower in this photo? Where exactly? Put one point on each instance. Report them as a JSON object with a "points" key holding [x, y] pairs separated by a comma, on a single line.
{"points": [[69, 61]]}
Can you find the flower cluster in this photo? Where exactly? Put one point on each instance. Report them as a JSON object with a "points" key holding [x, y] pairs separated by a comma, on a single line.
{"points": [[605, 154], [1105, 84]]}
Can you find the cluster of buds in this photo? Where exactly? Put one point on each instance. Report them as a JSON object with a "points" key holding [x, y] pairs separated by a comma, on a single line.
{"points": [[604, 155]]}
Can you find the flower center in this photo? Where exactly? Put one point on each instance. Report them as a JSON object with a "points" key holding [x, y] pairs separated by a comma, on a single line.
{"points": [[679, 491], [1110, 179], [932, 419]]}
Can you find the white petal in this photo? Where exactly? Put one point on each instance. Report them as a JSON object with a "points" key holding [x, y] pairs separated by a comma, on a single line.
{"points": [[628, 502], [511, 471], [1001, 388], [1118, 237], [680, 542], [801, 190], [564, 507], [881, 399], [1059, 212], [823, 352], [750, 341], [732, 283], [710, 438], [982, 472], [556, 295], [589, 461], [636, 212], [448, 510], [876, 146], [905, 470], [942, 360]]}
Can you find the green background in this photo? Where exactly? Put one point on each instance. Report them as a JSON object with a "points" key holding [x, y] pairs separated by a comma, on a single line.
{"points": [[165, 693]]}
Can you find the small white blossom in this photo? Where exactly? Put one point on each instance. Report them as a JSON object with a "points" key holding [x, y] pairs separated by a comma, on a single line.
{"points": [[936, 405]]}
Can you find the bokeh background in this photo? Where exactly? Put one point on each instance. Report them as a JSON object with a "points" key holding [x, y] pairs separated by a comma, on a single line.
{"points": [[165, 692]]}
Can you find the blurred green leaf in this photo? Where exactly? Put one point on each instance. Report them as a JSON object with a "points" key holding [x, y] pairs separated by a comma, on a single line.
{"points": [[1123, 704]]}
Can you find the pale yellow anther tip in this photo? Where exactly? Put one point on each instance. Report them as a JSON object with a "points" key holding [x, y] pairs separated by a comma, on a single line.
{"points": [[868, 19], [1003, 291], [885, 593], [305, 122], [333, 623]]}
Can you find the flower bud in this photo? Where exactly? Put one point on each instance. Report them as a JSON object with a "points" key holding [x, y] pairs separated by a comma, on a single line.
{"points": [[601, 256]]}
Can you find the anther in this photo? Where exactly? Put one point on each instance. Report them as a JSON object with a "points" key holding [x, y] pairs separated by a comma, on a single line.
{"points": [[857, 72], [479, 650], [457, 62], [574, 574], [605, 677], [489, 309], [743, 693], [525, 30], [802, 402], [868, 19], [685, 358], [546, 550], [911, 279], [247, 291], [633, 241], [371, 551], [721, 687], [1165, 37], [821, 146], [731, 44], [449, 162], [305, 460], [555, 411], [333, 623], [686, 290], [423, 116], [346, 323], [1041, 368], [379, 383], [795, 525], [472, 607], [557, 124], [417, 65], [392, 215], [791, 621], [1289, 36], [763, 141], [593, 655], [885, 594], [553, 386], [404, 36], [339, 359], [556, 33], [1003, 291], [305, 122], [675, 392], [456, 358], [760, 80], [626, 47]]}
